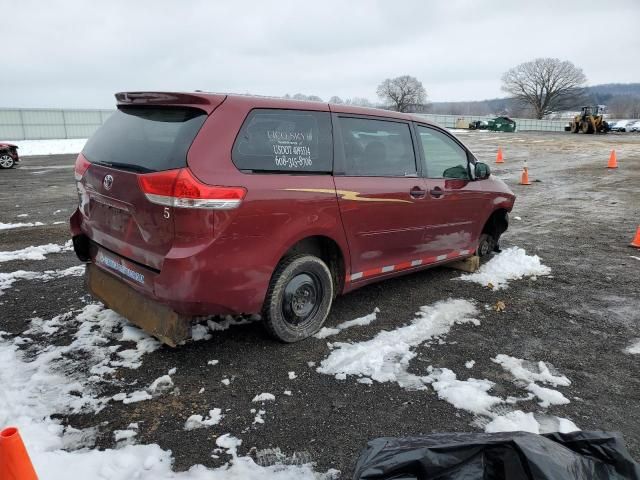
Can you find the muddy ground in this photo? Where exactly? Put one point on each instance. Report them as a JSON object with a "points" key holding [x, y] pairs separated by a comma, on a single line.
{"points": [[577, 216]]}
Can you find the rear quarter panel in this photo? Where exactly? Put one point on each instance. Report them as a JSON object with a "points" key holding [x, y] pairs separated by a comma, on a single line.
{"points": [[278, 211]]}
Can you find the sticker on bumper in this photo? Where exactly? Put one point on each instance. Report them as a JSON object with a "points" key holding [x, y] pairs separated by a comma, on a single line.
{"points": [[112, 264]]}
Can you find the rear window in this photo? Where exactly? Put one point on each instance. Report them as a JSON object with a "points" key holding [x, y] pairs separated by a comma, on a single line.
{"points": [[284, 141], [145, 139]]}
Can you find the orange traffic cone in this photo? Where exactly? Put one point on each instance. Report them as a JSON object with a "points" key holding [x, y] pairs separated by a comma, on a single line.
{"points": [[14, 459], [524, 178], [499, 158], [636, 241], [613, 160]]}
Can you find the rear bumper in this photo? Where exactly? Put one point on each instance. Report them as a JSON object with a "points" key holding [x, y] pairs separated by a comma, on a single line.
{"points": [[153, 317], [191, 282]]}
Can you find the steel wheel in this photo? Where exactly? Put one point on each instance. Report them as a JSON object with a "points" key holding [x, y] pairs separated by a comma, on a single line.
{"points": [[6, 161], [301, 299], [298, 299]]}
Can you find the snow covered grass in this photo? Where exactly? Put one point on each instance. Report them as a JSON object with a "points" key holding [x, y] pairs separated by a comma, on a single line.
{"points": [[38, 252], [385, 358], [49, 147], [8, 279], [510, 264], [362, 321], [9, 226]]}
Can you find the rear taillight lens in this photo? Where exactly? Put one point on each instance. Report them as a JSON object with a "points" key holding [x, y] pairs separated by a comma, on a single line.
{"points": [[82, 164], [179, 188]]}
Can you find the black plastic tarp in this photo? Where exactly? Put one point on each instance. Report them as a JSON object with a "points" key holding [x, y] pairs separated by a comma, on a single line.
{"points": [[508, 455]]}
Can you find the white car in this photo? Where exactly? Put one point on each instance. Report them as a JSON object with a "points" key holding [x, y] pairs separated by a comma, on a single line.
{"points": [[620, 125], [635, 126]]}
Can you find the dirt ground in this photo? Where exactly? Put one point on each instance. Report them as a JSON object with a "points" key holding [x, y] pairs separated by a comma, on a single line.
{"points": [[577, 216]]}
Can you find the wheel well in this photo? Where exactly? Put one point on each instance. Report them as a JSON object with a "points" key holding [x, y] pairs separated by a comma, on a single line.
{"points": [[497, 223], [326, 249]]}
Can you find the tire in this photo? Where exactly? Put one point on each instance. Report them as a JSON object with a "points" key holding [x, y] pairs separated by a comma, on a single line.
{"points": [[6, 161], [585, 127], [298, 299], [574, 127], [486, 245]]}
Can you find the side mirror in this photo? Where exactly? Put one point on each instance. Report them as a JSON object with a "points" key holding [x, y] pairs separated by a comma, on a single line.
{"points": [[482, 171]]}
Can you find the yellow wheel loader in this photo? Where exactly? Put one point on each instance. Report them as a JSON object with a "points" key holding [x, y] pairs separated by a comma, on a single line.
{"points": [[590, 120]]}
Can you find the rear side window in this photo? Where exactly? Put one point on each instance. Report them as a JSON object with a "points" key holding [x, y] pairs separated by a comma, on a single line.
{"points": [[284, 141], [377, 148], [444, 157], [145, 139]]}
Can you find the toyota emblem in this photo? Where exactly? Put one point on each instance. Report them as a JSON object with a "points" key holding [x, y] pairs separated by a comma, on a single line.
{"points": [[107, 182]]}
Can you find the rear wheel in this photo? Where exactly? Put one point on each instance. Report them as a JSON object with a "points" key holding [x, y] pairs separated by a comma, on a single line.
{"points": [[574, 127], [299, 298], [6, 161], [585, 127]]}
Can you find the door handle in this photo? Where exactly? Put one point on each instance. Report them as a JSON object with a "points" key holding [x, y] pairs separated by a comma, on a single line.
{"points": [[417, 192], [436, 192]]}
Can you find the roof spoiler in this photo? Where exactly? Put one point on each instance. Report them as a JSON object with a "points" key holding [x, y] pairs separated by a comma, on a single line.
{"points": [[207, 102]]}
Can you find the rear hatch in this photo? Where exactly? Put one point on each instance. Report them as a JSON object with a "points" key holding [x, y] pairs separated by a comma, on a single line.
{"points": [[135, 141]]}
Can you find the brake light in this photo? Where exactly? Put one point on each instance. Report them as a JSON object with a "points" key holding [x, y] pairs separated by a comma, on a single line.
{"points": [[179, 188], [82, 164]]}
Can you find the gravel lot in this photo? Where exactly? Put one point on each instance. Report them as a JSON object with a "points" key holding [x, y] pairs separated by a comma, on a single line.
{"points": [[577, 216]]}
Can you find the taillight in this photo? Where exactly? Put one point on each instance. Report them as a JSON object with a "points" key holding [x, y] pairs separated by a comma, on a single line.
{"points": [[179, 188], [82, 164]]}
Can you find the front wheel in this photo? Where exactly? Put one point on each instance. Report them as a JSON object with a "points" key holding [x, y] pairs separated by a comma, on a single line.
{"points": [[299, 298], [486, 245], [6, 161]]}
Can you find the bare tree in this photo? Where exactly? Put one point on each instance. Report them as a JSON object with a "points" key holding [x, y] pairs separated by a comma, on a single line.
{"points": [[336, 100], [401, 92], [546, 84], [624, 106], [359, 102]]}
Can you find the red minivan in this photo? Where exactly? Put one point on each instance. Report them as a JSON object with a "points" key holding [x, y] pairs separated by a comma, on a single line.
{"points": [[196, 204]]}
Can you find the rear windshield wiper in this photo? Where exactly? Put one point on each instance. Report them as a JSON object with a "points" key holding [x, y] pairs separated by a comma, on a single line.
{"points": [[125, 166]]}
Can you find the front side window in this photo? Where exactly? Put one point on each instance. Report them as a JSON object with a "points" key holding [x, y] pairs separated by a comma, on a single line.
{"points": [[284, 141], [444, 158], [377, 148]]}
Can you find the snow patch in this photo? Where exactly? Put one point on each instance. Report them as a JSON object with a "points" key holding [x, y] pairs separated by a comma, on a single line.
{"points": [[35, 252], [529, 371], [9, 226], [50, 147], [386, 357], [8, 279], [264, 397], [634, 348], [197, 421], [510, 264], [470, 395], [362, 321]]}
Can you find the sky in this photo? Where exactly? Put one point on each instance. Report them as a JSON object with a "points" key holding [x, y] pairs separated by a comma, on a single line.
{"points": [[77, 54]]}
